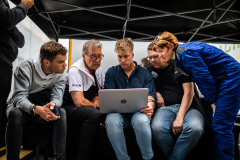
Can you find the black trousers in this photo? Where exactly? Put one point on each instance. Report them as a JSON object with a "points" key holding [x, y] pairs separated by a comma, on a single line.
{"points": [[82, 124], [16, 118], [5, 87]]}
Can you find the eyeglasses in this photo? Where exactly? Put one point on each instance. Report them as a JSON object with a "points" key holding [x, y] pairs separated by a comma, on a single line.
{"points": [[155, 57], [157, 38], [93, 57]]}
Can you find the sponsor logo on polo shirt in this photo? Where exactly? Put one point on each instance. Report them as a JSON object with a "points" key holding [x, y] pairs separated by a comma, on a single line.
{"points": [[76, 85], [154, 74]]}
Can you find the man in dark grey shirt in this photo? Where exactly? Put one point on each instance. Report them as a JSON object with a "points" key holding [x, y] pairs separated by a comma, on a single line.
{"points": [[39, 85], [10, 40]]}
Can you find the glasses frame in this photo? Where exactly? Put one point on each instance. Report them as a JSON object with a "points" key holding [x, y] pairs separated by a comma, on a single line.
{"points": [[157, 38], [96, 57], [152, 57]]}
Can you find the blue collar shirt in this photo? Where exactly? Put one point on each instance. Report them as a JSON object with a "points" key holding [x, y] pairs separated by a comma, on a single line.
{"points": [[116, 78]]}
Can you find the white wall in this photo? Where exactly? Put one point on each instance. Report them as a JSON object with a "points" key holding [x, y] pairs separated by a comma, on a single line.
{"points": [[34, 38], [140, 51], [231, 49], [110, 57]]}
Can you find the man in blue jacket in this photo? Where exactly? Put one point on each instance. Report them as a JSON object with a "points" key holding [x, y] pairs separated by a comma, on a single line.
{"points": [[10, 40], [128, 74], [217, 75]]}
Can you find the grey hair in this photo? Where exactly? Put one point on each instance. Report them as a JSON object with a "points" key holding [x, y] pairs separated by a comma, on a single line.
{"points": [[93, 44]]}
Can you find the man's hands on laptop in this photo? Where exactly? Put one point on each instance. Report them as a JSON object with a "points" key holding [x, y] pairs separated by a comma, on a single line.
{"points": [[96, 102], [149, 110], [150, 98], [46, 112]]}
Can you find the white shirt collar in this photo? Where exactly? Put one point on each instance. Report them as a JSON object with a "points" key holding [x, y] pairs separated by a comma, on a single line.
{"points": [[37, 64]]}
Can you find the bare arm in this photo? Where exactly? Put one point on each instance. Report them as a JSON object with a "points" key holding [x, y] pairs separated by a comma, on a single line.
{"points": [[160, 100], [79, 99], [188, 89]]}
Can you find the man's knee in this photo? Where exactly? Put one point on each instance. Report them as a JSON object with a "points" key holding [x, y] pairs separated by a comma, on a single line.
{"points": [[63, 114], [114, 120], [15, 115], [140, 120], [95, 114], [194, 129], [159, 128]]}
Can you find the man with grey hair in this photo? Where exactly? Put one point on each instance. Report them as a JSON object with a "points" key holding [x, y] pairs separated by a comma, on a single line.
{"points": [[81, 101]]}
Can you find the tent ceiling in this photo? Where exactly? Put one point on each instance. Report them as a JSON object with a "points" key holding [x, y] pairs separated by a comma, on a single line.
{"points": [[190, 20]]}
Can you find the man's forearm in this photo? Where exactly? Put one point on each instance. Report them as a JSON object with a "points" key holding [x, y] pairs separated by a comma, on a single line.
{"points": [[84, 103], [22, 103], [186, 102], [11, 17], [58, 91]]}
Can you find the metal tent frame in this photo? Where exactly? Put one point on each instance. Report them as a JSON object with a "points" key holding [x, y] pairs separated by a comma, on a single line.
{"points": [[205, 23]]}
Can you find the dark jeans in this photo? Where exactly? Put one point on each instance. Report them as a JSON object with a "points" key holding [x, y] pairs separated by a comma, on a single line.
{"points": [[5, 87], [83, 124], [16, 118]]}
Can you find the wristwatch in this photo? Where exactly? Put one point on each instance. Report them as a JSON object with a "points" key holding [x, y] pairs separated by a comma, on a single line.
{"points": [[33, 109]]}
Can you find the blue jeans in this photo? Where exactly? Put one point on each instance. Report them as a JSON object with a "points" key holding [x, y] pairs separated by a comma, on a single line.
{"points": [[115, 122], [193, 128]]}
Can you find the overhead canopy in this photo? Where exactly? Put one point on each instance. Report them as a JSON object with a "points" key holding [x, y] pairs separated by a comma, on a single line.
{"points": [[190, 20]]}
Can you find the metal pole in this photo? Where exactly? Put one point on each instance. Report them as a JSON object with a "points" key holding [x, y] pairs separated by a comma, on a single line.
{"points": [[174, 14], [201, 25], [87, 9], [70, 53], [88, 32], [80, 34], [127, 17], [226, 11], [50, 21]]}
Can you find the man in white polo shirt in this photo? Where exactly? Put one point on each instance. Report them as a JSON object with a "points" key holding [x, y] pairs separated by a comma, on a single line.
{"points": [[81, 101]]}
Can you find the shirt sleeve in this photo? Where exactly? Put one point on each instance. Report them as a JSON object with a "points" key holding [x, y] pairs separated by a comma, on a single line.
{"points": [[75, 80], [194, 64], [186, 79], [58, 91], [109, 80], [149, 83], [11, 17], [17, 37], [21, 87]]}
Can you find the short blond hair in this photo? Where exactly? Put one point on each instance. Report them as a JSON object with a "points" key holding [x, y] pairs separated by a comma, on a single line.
{"points": [[123, 45]]}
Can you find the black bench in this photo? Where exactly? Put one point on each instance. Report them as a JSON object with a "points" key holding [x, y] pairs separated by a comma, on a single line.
{"points": [[103, 148]]}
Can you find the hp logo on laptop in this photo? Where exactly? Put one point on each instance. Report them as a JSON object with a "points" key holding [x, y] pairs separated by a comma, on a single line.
{"points": [[123, 101]]}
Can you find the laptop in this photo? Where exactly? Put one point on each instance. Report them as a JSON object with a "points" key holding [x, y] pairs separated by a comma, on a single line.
{"points": [[122, 100]]}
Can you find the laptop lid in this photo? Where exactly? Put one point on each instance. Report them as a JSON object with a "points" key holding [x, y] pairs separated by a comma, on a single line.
{"points": [[122, 100]]}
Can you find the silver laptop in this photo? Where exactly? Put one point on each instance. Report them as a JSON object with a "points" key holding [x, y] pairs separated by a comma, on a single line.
{"points": [[122, 100]]}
